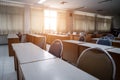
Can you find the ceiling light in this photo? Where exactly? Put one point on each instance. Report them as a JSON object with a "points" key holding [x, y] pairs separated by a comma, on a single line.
{"points": [[41, 1]]}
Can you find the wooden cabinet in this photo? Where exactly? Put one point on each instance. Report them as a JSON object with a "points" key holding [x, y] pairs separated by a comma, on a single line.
{"points": [[12, 38], [38, 40], [71, 50], [115, 53], [52, 37]]}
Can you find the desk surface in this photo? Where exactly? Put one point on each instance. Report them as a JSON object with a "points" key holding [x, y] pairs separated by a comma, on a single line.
{"points": [[58, 35], [53, 69], [28, 52], [12, 36], [114, 50], [73, 41], [118, 41], [92, 45]]}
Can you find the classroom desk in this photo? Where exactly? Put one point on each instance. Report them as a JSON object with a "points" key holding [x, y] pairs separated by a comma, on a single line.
{"points": [[117, 38], [12, 38], [115, 53], [70, 50], [36, 39], [114, 50], [53, 69], [115, 43], [92, 45], [52, 37], [27, 53]]}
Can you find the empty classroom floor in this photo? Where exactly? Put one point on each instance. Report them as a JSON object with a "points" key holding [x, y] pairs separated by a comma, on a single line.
{"points": [[7, 71]]}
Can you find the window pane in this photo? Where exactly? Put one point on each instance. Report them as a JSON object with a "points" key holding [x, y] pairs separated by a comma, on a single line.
{"points": [[50, 20]]}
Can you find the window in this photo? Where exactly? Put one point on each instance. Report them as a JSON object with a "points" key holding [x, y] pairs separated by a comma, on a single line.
{"points": [[11, 19], [50, 20]]}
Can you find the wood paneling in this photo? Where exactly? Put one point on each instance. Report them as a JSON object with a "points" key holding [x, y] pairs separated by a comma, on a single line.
{"points": [[70, 52], [10, 41]]}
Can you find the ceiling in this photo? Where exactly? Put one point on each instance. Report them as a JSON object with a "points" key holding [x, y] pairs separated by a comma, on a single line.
{"points": [[105, 7]]}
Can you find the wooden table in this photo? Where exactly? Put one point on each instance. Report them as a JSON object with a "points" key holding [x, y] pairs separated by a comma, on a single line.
{"points": [[53, 69], [117, 38], [115, 43], [37, 39], [115, 53], [12, 38], [28, 53], [52, 37], [71, 50], [92, 45]]}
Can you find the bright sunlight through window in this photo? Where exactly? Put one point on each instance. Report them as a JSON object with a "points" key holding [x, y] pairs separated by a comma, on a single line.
{"points": [[50, 21]]}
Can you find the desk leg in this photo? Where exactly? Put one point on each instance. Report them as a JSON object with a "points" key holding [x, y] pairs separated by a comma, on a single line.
{"points": [[116, 58], [16, 66]]}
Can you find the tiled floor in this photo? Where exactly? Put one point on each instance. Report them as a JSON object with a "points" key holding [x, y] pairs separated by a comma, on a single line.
{"points": [[7, 71]]}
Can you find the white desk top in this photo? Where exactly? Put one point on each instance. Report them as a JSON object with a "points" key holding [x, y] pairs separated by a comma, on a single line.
{"points": [[12, 36], [114, 50], [73, 41], [53, 69], [117, 41], [28, 52], [92, 45], [59, 35]]}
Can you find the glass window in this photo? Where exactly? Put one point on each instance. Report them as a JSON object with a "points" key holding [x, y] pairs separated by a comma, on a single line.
{"points": [[50, 20]]}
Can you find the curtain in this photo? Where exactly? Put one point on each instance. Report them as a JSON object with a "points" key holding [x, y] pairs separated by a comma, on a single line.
{"points": [[83, 23], [103, 24], [11, 19], [27, 19], [37, 20], [61, 22]]}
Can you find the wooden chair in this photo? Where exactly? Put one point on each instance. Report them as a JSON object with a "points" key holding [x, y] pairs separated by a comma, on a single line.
{"points": [[98, 63], [82, 38], [56, 48]]}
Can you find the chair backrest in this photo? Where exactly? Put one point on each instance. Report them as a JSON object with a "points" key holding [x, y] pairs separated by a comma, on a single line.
{"points": [[56, 48], [106, 42], [23, 38], [82, 38], [98, 63], [42, 43]]}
